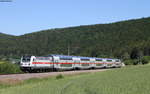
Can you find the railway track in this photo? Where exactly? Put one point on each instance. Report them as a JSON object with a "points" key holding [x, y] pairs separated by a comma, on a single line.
{"points": [[14, 78]]}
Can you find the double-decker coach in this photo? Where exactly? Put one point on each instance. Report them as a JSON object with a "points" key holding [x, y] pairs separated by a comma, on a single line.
{"points": [[64, 62]]}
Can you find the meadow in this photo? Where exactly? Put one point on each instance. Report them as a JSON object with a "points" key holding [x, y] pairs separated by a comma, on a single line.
{"points": [[127, 80]]}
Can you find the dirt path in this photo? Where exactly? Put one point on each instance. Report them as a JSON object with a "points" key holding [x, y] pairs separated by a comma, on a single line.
{"points": [[15, 78]]}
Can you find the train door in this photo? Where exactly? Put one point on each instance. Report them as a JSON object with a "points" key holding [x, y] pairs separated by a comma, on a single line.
{"points": [[104, 63], [85, 62], [99, 63], [109, 62], [56, 62], [92, 63], [114, 63], [77, 64]]}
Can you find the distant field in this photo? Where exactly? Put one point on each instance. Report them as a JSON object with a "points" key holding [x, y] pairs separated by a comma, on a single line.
{"points": [[1, 62], [129, 80]]}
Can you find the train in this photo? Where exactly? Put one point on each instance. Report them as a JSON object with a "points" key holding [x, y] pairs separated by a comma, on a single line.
{"points": [[65, 62]]}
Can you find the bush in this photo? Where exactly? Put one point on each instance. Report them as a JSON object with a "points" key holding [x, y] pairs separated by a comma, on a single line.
{"points": [[136, 62], [9, 68], [145, 60], [60, 76], [132, 62], [129, 62]]}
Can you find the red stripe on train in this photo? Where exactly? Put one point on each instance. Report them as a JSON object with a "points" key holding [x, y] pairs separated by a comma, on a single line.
{"points": [[42, 63]]}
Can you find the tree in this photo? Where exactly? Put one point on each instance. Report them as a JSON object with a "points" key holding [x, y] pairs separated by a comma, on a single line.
{"points": [[125, 56]]}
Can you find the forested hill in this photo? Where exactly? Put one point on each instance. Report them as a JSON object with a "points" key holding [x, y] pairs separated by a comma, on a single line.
{"points": [[5, 36], [126, 39]]}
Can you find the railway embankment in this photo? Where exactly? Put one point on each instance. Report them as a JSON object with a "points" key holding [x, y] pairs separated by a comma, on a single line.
{"points": [[15, 78]]}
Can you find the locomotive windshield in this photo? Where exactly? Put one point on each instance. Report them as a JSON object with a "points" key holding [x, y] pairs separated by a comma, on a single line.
{"points": [[26, 58]]}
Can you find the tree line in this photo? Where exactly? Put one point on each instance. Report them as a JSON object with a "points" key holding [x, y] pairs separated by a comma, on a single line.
{"points": [[125, 40]]}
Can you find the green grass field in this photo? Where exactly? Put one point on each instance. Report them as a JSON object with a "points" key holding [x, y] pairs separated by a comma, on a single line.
{"points": [[128, 80]]}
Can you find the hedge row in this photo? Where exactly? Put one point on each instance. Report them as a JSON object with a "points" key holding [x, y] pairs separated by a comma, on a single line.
{"points": [[9, 68], [144, 60]]}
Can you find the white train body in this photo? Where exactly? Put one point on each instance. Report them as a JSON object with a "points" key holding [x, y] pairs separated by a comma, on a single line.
{"points": [[62, 62]]}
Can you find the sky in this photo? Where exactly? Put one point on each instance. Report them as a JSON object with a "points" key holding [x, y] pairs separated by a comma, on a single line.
{"points": [[25, 16]]}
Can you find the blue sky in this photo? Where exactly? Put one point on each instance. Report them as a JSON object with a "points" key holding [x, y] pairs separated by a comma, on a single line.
{"points": [[25, 16]]}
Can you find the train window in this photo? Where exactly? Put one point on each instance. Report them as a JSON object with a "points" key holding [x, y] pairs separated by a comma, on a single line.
{"points": [[109, 60], [85, 59], [63, 58], [117, 60], [46, 58], [77, 61], [92, 61], [98, 59], [26, 60], [42, 58], [23, 60], [56, 61]]}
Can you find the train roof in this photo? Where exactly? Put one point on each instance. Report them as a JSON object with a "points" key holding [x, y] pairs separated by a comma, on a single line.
{"points": [[81, 57], [66, 56]]}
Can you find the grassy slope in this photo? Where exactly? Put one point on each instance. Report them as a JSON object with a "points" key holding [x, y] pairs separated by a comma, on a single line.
{"points": [[130, 80]]}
